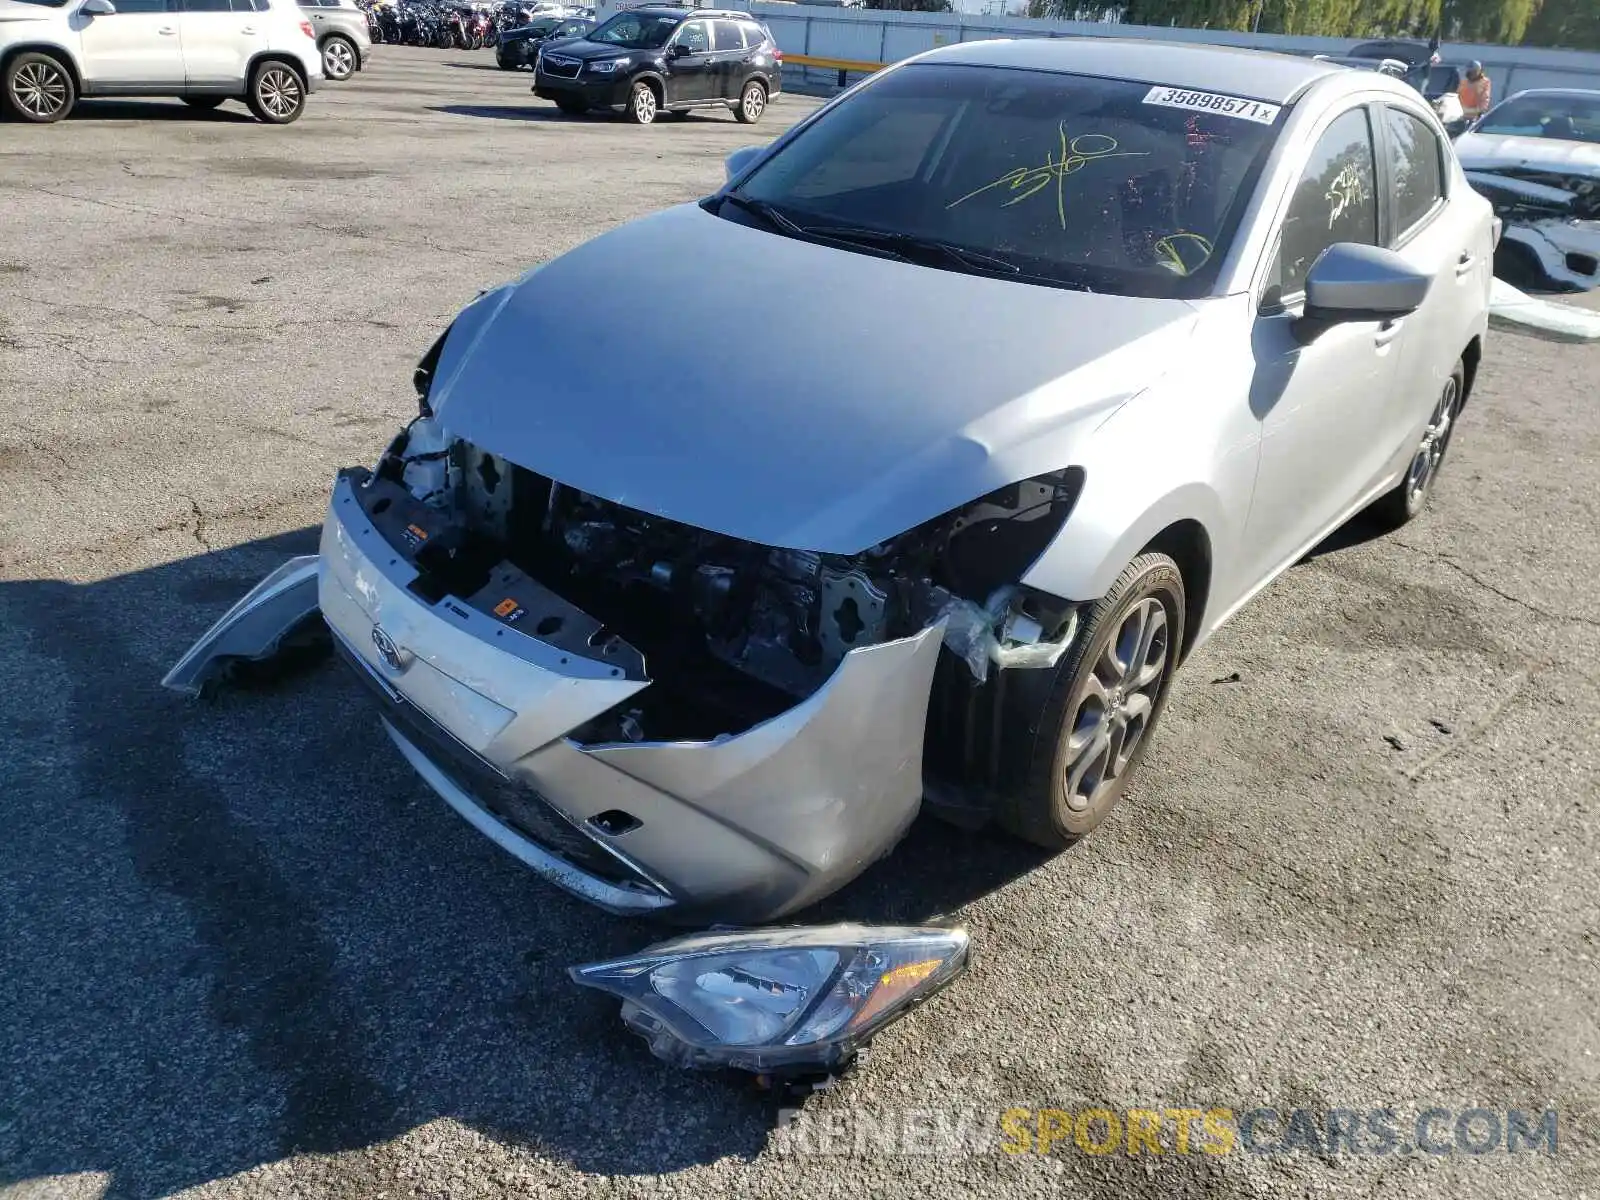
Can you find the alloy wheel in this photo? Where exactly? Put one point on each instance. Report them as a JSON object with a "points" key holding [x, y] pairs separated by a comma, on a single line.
{"points": [[337, 60], [279, 92], [644, 105], [1118, 700], [755, 103], [40, 89], [1435, 441]]}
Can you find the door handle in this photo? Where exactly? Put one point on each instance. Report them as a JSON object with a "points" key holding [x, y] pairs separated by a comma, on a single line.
{"points": [[248, 29], [166, 31], [1387, 332], [1465, 263]]}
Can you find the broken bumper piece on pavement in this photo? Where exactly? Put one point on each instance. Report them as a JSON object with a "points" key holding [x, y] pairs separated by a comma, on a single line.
{"points": [[254, 629]]}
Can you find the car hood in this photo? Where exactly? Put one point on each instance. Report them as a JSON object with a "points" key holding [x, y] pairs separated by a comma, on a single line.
{"points": [[784, 392], [587, 51], [1499, 151]]}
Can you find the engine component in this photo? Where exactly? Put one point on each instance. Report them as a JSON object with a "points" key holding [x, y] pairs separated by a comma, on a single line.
{"points": [[852, 613]]}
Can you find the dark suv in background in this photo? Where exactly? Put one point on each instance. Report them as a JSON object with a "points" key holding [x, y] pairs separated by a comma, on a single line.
{"points": [[654, 59], [517, 47]]}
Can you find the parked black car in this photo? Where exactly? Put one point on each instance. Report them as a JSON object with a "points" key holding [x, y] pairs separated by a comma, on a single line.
{"points": [[654, 59], [518, 47]]}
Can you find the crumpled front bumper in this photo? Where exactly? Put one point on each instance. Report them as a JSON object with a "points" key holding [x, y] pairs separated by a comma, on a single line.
{"points": [[741, 829], [1568, 249]]}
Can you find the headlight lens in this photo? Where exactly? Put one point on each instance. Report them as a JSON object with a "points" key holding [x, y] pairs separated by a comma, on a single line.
{"points": [[777, 1000], [609, 67]]}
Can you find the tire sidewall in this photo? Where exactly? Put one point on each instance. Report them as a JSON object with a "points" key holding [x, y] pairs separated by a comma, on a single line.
{"points": [[262, 112], [339, 40], [1415, 505], [741, 112], [1157, 576], [636, 112], [8, 101]]}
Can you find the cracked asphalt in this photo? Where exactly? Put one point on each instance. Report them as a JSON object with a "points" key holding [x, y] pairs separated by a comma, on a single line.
{"points": [[246, 953]]}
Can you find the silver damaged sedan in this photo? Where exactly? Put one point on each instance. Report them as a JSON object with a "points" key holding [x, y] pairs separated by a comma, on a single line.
{"points": [[984, 395]]}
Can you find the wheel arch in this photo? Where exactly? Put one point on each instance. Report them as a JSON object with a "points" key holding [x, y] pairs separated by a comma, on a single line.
{"points": [[58, 52], [1098, 542], [1188, 544], [277, 56], [1470, 358], [657, 84]]}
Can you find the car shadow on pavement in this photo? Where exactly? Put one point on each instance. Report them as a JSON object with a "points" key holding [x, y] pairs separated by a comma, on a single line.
{"points": [[499, 112], [241, 929], [157, 110]]}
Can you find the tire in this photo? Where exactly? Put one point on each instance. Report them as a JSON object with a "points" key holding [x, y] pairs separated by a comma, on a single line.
{"points": [[339, 57], [1406, 500], [573, 108], [276, 96], [37, 88], [642, 104], [204, 103], [1132, 634], [752, 103]]}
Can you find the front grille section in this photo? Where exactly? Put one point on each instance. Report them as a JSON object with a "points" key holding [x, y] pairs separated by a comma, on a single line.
{"points": [[564, 68], [515, 803]]}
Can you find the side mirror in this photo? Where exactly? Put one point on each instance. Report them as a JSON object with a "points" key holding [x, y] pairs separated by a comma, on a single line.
{"points": [[1354, 282], [679, 50], [98, 8], [740, 161]]}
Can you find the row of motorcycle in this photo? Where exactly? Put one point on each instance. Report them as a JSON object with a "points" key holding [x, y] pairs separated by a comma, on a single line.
{"points": [[442, 24]]}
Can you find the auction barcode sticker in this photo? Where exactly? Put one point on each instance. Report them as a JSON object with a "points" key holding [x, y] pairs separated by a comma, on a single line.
{"points": [[1211, 102]]}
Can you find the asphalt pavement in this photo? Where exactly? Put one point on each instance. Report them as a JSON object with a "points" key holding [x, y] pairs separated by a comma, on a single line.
{"points": [[247, 953]]}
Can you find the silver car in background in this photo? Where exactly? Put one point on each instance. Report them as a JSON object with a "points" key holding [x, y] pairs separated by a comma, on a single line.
{"points": [[1048, 356], [343, 36]]}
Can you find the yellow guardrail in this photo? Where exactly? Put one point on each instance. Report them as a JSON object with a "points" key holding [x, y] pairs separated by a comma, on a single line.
{"points": [[833, 64]]}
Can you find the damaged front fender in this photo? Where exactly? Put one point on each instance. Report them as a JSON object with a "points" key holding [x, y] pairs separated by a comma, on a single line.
{"points": [[254, 629]]}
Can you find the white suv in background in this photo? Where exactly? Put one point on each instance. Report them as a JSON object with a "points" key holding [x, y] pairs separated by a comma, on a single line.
{"points": [[263, 52]]}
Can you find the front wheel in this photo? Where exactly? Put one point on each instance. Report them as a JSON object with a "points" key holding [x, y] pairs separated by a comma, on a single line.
{"points": [[1406, 500], [276, 96], [37, 89], [338, 58], [1100, 709], [752, 103], [641, 108]]}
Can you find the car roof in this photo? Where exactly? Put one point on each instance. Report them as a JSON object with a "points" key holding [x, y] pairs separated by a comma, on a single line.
{"points": [[1590, 92], [678, 10], [1256, 74]]}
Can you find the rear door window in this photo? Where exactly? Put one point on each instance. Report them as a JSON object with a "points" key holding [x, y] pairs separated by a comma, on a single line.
{"points": [[1416, 167], [727, 35]]}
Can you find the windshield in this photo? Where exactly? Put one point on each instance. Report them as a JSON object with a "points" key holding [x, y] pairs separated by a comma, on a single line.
{"points": [[1570, 118], [1083, 182], [636, 31]]}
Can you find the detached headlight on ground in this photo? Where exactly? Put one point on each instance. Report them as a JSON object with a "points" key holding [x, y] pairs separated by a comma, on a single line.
{"points": [[777, 1000]]}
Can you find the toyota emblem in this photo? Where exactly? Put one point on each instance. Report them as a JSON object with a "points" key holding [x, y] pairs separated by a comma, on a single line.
{"points": [[387, 650]]}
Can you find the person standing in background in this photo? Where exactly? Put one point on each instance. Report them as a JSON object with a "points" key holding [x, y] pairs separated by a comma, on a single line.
{"points": [[1474, 92]]}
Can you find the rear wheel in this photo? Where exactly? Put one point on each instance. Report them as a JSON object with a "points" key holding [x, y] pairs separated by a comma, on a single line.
{"points": [[338, 57], [1108, 693], [276, 94], [642, 104], [37, 88], [1408, 497], [752, 103], [204, 103]]}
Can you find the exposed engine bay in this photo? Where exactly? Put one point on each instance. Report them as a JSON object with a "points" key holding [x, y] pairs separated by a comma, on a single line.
{"points": [[733, 632]]}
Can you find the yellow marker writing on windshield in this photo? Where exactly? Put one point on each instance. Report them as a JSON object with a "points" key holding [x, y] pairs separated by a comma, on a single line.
{"points": [[1076, 153], [1168, 248]]}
